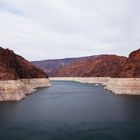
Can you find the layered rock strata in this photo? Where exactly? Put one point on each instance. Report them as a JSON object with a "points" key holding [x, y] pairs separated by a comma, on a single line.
{"points": [[13, 67], [131, 67], [130, 86], [92, 66], [18, 77], [127, 86], [15, 90]]}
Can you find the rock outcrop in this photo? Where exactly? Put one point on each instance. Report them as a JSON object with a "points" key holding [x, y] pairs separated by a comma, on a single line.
{"points": [[18, 77], [13, 66], [15, 90], [127, 86], [131, 67]]}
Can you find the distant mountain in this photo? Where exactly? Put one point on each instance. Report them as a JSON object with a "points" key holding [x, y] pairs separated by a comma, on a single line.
{"points": [[131, 67], [52, 66], [101, 66], [92, 66], [13, 66]]}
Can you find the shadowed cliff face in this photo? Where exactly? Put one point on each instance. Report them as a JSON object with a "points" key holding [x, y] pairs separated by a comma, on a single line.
{"points": [[131, 68], [13, 66]]}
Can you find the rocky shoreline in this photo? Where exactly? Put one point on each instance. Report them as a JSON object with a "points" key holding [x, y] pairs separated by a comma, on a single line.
{"points": [[129, 86], [126, 86], [15, 90]]}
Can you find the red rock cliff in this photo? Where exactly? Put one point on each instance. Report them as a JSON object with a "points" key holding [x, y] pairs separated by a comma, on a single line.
{"points": [[101, 66], [131, 68], [13, 66]]}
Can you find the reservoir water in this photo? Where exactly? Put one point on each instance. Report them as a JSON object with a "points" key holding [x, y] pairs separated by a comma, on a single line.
{"points": [[71, 111]]}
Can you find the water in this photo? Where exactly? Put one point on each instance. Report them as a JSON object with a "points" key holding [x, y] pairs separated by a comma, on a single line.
{"points": [[71, 111]]}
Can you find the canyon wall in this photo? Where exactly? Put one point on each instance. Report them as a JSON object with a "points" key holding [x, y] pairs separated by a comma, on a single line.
{"points": [[92, 66], [13, 67], [127, 86], [18, 77], [15, 90], [130, 86]]}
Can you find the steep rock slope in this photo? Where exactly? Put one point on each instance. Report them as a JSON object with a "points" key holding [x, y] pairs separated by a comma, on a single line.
{"points": [[51, 66], [13, 66], [131, 68], [101, 66]]}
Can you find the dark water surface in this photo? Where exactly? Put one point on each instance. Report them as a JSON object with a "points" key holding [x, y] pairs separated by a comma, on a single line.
{"points": [[71, 111]]}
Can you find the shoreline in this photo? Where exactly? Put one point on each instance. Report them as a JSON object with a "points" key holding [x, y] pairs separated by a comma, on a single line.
{"points": [[16, 90], [122, 86]]}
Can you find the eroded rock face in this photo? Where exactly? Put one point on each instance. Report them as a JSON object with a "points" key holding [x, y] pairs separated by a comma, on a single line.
{"points": [[101, 66], [131, 68], [95, 66], [15, 90], [51, 67], [18, 77], [13, 66], [92, 66], [127, 86]]}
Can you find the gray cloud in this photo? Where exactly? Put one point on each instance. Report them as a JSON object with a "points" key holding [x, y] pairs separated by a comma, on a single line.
{"points": [[66, 28]]}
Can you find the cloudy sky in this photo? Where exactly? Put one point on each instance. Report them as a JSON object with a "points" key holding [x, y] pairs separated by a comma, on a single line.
{"points": [[45, 29]]}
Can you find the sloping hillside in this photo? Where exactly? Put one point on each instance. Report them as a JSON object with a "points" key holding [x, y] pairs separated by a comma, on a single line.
{"points": [[51, 66], [102, 66], [98, 65], [13, 66]]}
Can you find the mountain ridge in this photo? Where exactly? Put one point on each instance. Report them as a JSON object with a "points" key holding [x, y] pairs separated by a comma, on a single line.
{"points": [[78, 67], [94, 66]]}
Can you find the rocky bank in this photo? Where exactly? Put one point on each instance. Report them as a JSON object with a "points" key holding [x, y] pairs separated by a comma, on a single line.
{"points": [[15, 90], [18, 77], [119, 74], [92, 66], [127, 86]]}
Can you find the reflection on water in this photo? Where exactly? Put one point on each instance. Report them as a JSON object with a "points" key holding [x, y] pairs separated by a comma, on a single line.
{"points": [[71, 111]]}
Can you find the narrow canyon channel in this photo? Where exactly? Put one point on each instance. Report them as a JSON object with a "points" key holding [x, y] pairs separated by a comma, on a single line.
{"points": [[71, 111]]}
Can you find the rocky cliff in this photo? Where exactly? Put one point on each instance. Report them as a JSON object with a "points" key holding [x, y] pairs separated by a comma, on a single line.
{"points": [[13, 66], [18, 77], [131, 67], [127, 86], [125, 73], [51, 67], [101, 66], [15, 90]]}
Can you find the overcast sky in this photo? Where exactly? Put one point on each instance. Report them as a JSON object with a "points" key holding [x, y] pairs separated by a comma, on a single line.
{"points": [[44, 29]]}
